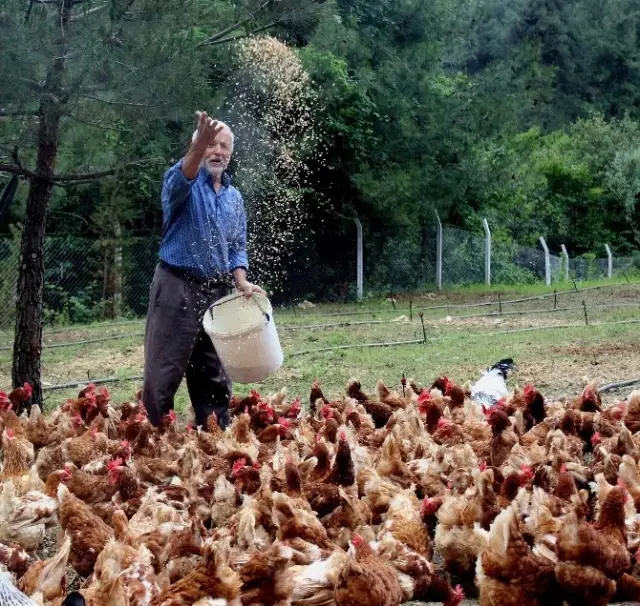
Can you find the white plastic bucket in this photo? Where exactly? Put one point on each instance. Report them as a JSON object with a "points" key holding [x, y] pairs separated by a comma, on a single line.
{"points": [[244, 335]]}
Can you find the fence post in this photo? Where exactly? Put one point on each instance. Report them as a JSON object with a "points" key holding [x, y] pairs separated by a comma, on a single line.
{"points": [[487, 252], [547, 262], [438, 251], [565, 254], [609, 261], [360, 270]]}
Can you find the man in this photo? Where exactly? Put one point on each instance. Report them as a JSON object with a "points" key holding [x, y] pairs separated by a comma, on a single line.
{"points": [[203, 246]]}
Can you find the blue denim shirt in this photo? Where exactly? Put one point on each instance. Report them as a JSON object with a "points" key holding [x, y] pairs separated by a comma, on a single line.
{"points": [[204, 232]]}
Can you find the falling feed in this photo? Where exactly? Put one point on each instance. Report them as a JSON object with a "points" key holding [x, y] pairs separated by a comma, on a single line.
{"points": [[272, 109]]}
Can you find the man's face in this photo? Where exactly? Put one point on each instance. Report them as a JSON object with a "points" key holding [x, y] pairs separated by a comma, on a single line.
{"points": [[216, 158]]}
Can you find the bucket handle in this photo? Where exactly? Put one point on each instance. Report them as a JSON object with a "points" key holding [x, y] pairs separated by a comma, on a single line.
{"points": [[266, 314]]}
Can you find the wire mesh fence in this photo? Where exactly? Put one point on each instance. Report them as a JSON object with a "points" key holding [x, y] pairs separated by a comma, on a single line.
{"points": [[88, 280]]}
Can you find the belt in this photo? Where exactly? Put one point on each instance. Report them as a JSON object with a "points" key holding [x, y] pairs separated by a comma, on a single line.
{"points": [[218, 281]]}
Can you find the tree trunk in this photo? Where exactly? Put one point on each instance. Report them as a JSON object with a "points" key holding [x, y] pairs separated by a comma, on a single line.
{"points": [[27, 346]]}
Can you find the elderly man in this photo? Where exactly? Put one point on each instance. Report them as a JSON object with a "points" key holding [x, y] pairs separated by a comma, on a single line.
{"points": [[203, 248]]}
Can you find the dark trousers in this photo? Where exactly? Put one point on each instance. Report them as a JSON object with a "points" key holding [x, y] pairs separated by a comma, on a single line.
{"points": [[175, 344]]}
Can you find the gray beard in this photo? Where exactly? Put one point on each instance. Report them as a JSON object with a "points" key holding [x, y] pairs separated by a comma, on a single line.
{"points": [[215, 172]]}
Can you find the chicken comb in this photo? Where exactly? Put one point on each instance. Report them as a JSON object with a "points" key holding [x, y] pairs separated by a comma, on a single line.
{"points": [[11, 434], [448, 385], [115, 463], [357, 540], [189, 427], [482, 465], [285, 423], [257, 466], [429, 506], [238, 465], [526, 472], [326, 411], [255, 394], [590, 392], [563, 468], [424, 397], [343, 436], [459, 592], [596, 438], [125, 444], [27, 387], [295, 407], [528, 389], [104, 392]]}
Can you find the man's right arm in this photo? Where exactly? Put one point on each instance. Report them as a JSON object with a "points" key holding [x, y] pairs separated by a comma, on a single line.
{"points": [[179, 178], [192, 160], [175, 189]]}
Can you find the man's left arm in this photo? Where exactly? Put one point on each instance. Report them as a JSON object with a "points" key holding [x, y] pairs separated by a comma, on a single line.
{"points": [[238, 259]]}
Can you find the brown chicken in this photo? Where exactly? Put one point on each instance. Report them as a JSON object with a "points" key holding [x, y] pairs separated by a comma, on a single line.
{"points": [[315, 395], [391, 398], [88, 533], [212, 578], [84, 449], [589, 400], [593, 557], [295, 522], [260, 576], [88, 487], [14, 558], [48, 576], [502, 441], [37, 430], [366, 580], [508, 573], [379, 411], [18, 456], [632, 416], [20, 398]]}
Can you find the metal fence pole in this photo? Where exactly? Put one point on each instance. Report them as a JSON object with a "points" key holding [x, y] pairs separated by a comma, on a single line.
{"points": [[609, 261], [547, 262], [438, 252], [565, 255], [487, 252], [360, 264]]}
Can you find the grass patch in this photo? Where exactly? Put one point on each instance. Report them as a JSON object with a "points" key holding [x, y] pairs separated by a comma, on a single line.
{"points": [[557, 359]]}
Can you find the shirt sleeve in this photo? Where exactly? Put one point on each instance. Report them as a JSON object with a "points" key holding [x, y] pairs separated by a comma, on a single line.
{"points": [[175, 189], [238, 246]]}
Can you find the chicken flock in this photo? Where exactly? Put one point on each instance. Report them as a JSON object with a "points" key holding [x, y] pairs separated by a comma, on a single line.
{"points": [[416, 493]]}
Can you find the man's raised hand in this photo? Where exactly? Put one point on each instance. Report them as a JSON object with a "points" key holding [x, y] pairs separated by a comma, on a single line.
{"points": [[207, 130]]}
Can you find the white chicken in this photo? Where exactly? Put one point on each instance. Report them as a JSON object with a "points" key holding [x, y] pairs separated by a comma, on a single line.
{"points": [[492, 385]]}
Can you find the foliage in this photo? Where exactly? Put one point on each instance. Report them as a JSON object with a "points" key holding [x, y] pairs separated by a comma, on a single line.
{"points": [[523, 112]]}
